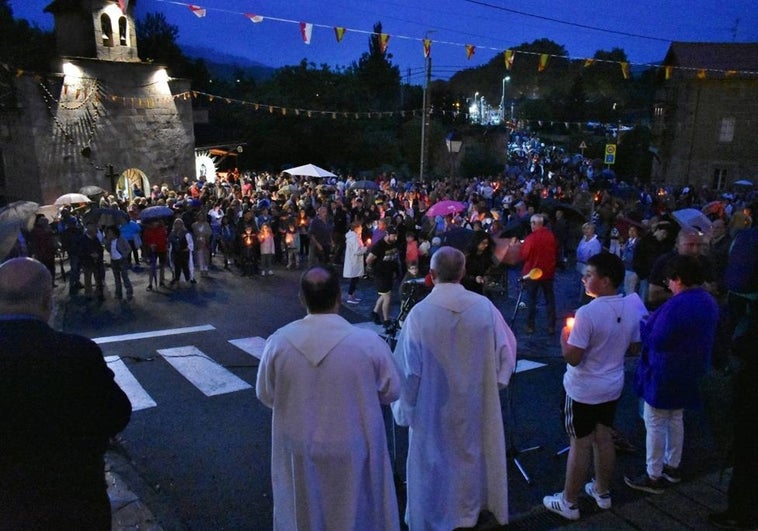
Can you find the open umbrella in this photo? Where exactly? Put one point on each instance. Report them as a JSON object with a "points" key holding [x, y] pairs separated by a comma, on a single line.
{"points": [[21, 211], [743, 182], [309, 170], [9, 229], [364, 185], [91, 190], [106, 216], [49, 211], [71, 199], [156, 212], [692, 218], [444, 208]]}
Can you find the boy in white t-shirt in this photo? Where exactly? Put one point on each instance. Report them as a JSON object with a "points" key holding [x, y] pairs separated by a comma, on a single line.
{"points": [[594, 347]]}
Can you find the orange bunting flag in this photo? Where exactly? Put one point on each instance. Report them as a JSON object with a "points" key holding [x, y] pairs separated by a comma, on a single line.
{"points": [[701, 74], [730, 73], [427, 47], [543, 62], [384, 40], [339, 32], [588, 62], [470, 50], [306, 28], [624, 69], [667, 71], [197, 10], [254, 18], [509, 57]]}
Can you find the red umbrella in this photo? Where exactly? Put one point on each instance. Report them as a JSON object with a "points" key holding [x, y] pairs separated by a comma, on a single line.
{"points": [[445, 208]]}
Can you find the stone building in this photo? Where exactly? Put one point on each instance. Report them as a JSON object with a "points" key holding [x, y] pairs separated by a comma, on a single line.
{"points": [[706, 115], [101, 117]]}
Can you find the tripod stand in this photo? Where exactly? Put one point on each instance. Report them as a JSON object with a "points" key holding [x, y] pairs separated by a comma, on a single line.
{"points": [[512, 451]]}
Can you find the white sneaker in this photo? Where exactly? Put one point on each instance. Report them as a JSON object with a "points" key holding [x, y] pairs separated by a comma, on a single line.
{"points": [[558, 505], [603, 500]]}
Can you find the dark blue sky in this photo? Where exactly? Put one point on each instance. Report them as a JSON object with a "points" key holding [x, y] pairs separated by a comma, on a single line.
{"points": [[643, 29]]}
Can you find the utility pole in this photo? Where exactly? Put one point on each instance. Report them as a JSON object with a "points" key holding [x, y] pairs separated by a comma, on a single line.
{"points": [[425, 120]]}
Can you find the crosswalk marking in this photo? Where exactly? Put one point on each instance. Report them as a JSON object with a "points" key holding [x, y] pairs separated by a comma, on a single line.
{"points": [[205, 374], [528, 365], [129, 384], [154, 333], [251, 345]]}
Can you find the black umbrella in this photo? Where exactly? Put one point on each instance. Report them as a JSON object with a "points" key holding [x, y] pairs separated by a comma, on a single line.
{"points": [[364, 185], [105, 216]]}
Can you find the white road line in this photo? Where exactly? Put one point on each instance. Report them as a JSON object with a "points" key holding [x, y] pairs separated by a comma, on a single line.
{"points": [[204, 373], [528, 365], [251, 345], [129, 384], [155, 333]]}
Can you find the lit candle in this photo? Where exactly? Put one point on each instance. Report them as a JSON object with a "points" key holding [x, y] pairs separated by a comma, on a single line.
{"points": [[569, 323]]}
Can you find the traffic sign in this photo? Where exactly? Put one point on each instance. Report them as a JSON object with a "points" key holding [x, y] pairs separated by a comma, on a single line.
{"points": [[610, 153], [583, 145]]}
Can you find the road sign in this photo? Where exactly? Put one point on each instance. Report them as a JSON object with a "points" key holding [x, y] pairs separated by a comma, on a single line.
{"points": [[610, 154], [583, 145]]}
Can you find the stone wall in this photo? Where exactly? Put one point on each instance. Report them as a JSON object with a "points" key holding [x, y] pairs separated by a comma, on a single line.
{"points": [[127, 114]]}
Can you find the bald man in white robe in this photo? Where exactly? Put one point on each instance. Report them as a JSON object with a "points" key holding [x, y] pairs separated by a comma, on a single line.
{"points": [[455, 353]]}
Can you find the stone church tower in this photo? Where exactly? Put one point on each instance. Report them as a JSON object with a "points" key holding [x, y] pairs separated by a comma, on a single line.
{"points": [[102, 117]]}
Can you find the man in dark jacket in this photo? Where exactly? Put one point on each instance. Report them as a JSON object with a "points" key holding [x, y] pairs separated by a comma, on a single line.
{"points": [[59, 406]]}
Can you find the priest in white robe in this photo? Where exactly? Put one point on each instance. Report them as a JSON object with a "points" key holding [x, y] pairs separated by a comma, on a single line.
{"points": [[455, 353], [326, 380]]}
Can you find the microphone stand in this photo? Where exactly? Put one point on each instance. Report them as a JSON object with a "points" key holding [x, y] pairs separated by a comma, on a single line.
{"points": [[512, 451]]}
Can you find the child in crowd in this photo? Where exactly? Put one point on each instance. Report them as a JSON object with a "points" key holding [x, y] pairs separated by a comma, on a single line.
{"points": [[266, 239], [292, 246]]}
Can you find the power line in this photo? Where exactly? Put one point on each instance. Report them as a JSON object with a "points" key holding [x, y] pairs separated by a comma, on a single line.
{"points": [[573, 24]]}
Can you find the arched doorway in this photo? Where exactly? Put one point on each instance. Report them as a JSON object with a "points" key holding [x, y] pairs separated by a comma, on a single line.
{"points": [[127, 181]]}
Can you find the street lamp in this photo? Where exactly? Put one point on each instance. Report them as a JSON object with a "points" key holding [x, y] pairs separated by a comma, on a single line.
{"points": [[506, 79], [454, 142]]}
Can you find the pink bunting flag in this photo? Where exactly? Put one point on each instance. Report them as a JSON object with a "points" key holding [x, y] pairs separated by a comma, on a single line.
{"points": [[197, 10], [124, 5], [254, 18], [306, 29]]}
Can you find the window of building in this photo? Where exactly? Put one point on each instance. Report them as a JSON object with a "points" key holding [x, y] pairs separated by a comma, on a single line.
{"points": [[726, 134], [122, 31], [658, 111], [719, 178], [106, 29]]}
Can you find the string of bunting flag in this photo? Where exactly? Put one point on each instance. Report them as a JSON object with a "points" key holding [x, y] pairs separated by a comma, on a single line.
{"points": [[509, 55]]}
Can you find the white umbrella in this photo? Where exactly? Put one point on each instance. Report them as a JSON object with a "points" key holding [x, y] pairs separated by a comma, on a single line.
{"points": [[743, 182], [72, 198], [310, 170], [693, 219], [23, 211]]}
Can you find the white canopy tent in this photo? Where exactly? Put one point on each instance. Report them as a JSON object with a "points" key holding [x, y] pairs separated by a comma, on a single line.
{"points": [[309, 170]]}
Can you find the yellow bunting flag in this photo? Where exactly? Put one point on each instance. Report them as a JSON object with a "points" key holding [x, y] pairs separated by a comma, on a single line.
{"points": [[701, 74], [339, 32], [254, 18], [624, 69], [588, 62], [667, 70], [543, 62], [427, 47], [510, 55], [384, 40], [470, 50]]}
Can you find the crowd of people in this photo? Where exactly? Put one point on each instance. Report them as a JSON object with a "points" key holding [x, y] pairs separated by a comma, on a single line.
{"points": [[693, 288]]}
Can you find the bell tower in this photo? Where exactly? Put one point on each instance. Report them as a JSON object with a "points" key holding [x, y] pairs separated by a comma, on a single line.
{"points": [[96, 29]]}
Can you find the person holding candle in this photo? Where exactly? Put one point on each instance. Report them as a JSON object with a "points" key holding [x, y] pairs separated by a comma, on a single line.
{"points": [[594, 346]]}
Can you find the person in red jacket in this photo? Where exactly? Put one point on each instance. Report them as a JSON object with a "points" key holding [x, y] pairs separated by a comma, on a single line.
{"points": [[155, 240], [539, 250]]}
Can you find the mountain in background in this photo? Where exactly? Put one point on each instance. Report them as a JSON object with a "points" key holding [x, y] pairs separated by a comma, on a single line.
{"points": [[225, 65]]}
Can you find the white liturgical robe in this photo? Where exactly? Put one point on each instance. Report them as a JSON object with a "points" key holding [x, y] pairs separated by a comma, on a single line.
{"points": [[325, 380], [455, 353]]}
